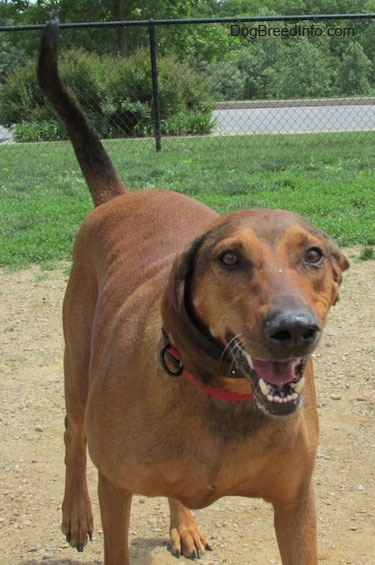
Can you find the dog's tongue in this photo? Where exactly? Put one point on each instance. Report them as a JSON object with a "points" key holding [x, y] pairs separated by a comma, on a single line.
{"points": [[276, 372]]}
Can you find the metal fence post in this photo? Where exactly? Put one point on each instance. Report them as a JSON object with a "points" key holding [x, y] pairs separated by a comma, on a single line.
{"points": [[155, 85]]}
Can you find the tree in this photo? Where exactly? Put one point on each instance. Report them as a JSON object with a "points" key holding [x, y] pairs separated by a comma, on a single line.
{"points": [[227, 80], [128, 39], [21, 12], [301, 73], [253, 64], [354, 73], [316, 65]]}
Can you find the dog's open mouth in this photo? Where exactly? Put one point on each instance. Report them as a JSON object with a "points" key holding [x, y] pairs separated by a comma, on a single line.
{"points": [[277, 385]]}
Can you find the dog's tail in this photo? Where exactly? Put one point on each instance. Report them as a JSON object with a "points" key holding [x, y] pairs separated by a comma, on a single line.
{"points": [[98, 170]]}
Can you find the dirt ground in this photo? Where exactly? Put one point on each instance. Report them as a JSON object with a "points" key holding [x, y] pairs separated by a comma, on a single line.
{"points": [[239, 530]]}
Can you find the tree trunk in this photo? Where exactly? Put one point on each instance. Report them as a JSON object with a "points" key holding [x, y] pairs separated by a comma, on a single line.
{"points": [[122, 46]]}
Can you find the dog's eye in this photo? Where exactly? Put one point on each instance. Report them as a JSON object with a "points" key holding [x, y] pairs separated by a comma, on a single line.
{"points": [[229, 259], [314, 256]]}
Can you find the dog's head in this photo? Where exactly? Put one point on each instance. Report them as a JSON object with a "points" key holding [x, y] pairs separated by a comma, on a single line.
{"points": [[255, 288]]}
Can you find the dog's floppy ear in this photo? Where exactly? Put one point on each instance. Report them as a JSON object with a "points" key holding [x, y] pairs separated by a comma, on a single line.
{"points": [[175, 304], [178, 314], [339, 264], [183, 271]]}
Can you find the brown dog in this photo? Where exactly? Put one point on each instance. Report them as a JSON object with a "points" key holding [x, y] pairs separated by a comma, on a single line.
{"points": [[187, 368]]}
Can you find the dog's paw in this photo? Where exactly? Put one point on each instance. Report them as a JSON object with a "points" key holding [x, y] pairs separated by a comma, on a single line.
{"points": [[189, 543], [78, 522], [186, 538]]}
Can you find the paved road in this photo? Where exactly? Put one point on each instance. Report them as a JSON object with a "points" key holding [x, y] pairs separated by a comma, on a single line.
{"points": [[304, 119], [298, 119]]}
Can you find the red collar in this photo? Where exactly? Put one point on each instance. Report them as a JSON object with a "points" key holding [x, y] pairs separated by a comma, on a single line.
{"points": [[175, 357]]}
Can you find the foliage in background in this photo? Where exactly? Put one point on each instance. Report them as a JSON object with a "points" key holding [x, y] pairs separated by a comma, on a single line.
{"points": [[296, 68], [10, 58], [116, 95], [239, 67]]}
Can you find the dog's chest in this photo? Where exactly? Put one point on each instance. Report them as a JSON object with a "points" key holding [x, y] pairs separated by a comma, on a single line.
{"points": [[200, 480]]}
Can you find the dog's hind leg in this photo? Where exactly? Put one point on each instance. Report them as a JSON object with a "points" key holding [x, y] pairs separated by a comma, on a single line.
{"points": [[186, 538], [115, 507], [77, 522]]}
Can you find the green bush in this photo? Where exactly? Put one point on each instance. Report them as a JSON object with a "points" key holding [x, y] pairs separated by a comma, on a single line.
{"points": [[10, 58], [185, 124], [228, 81], [116, 94], [39, 131], [20, 98]]}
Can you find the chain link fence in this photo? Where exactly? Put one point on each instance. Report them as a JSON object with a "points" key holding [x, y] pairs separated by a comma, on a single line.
{"points": [[269, 81], [295, 116]]}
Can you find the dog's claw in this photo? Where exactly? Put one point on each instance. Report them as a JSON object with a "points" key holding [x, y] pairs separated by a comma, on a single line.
{"points": [[208, 547]]}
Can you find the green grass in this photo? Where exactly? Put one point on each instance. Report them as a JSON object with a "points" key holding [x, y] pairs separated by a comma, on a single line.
{"points": [[328, 178]]}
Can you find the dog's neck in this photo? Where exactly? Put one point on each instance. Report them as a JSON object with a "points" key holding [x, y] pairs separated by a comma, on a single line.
{"points": [[200, 354], [171, 362]]}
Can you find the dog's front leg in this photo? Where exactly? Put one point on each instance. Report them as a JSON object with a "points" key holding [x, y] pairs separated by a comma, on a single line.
{"points": [[295, 526], [186, 538], [115, 506], [78, 522]]}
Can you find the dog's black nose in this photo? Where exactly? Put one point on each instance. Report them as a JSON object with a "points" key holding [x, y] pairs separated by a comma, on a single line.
{"points": [[292, 329]]}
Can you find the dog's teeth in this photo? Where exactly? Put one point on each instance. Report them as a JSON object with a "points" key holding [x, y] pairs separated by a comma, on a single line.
{"points": [[264, 387], [276, 398], [298, 386], [250, 361]]}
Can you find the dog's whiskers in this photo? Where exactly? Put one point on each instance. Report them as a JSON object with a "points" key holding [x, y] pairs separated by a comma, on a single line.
{"points": [[237, 352]]}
